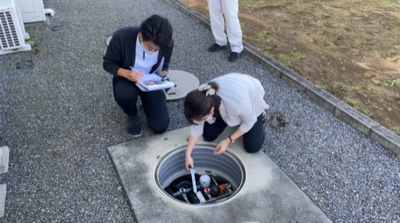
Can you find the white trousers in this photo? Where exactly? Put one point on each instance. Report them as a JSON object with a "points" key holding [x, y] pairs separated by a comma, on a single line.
{"points": [[230, 9]]}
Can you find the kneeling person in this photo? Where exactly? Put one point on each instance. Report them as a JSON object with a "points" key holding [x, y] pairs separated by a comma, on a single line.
{"points": [[134, 52], [233, 99]]}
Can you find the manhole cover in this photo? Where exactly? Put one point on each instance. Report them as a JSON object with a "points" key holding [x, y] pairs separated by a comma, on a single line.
{"points": [[185, 82], [218, 178]]}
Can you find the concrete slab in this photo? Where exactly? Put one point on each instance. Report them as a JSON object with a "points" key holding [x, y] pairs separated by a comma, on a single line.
{"points": [[4, 156], [3, 191], [268, 195]]}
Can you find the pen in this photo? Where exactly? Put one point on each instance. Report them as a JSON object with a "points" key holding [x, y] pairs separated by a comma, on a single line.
{"points": [[132, 69]]}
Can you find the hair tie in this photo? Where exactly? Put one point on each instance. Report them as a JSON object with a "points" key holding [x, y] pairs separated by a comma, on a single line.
{"points": [[210, 90], [204, 87]]}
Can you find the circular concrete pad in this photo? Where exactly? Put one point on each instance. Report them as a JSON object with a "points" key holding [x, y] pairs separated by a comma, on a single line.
{"points": [[185, 82]]}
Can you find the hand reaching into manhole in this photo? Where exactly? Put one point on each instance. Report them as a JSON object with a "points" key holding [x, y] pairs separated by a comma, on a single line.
{"points": [[229, 100]]}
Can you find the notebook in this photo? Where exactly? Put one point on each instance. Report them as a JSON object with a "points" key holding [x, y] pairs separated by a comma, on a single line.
{"points": [[153, 82]]}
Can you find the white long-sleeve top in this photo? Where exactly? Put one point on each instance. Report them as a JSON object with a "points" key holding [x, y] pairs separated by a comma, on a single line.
{"points": [[241, 102]]}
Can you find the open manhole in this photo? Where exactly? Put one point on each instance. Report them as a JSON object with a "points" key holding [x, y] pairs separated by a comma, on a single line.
{"points": [[218, 178]]}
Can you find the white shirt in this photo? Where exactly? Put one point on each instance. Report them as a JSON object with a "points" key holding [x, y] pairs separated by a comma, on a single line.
{"points": [[143, 61], [242, 101]]}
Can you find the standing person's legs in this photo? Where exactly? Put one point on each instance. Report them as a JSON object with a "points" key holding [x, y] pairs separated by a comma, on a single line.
{"points": [[230, 9], [217, 21], [212, 131], [155, 106], [254, 139]]}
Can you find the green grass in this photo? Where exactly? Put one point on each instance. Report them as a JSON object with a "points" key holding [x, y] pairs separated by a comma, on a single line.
{"points": [[324, 6], [376, 82]]}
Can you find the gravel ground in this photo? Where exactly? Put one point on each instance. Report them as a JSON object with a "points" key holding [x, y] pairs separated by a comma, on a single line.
{"points": [[59, 117]]}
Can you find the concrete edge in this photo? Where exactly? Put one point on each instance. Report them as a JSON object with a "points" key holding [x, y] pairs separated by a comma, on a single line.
{"points": [[341, 110], [4, 159], [355, 118], [3, 192], [122, 185], [322, 97], [386, 138]]}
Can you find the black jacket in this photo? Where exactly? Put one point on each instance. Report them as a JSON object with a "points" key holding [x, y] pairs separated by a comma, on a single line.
{"points": [[121, 51]]}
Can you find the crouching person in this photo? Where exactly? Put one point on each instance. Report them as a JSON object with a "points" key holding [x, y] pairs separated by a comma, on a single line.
{"points": [[230, 100], [132, 53]]}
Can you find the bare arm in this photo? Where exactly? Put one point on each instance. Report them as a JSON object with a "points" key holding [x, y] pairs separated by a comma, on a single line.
{"points": [[131, 75], [189, 149], [223, 145]]}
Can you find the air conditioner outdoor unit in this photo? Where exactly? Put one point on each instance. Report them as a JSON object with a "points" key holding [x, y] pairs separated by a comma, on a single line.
{"points": [[31, 10], [12, 30]]}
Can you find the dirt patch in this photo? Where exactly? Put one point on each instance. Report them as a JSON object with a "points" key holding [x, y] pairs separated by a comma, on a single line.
{"points": [[351, 48]]}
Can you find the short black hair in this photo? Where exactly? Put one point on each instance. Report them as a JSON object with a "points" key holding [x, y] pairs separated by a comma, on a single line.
{"points": [[158, 30]]}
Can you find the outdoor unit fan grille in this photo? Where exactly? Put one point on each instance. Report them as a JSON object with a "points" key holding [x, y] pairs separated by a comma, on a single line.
{"points": [[8, 34]]}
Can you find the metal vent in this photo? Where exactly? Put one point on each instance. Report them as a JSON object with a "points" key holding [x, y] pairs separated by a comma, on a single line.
{"points": [[8, 33]]}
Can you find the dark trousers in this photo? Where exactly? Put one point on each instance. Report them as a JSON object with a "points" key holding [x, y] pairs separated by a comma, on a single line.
{"points": [[154, 103], [252, 140]]}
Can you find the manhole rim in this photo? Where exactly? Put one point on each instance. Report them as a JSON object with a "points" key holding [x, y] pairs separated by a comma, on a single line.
{"points": [[179, 146]]}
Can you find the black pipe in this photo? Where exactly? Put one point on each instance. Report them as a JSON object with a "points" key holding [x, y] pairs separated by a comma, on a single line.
{"points": [[219, 197]]}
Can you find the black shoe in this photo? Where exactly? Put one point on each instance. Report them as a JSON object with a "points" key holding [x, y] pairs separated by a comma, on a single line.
{"points": [[233, 57], [215, 47], [134, 126]]}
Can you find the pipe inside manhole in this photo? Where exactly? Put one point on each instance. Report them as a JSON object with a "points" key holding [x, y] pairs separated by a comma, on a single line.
{"points": [[219, 178]]}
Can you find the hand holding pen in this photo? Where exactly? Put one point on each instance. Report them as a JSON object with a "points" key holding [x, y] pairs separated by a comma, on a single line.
{"points": [[164, 75], [134, 75]]}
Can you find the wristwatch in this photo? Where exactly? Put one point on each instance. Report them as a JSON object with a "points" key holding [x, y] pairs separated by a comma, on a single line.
{"points": [[230, 138]]}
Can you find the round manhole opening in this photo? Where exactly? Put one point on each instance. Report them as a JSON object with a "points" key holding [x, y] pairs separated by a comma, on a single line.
{"points": [[217, 178]]}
